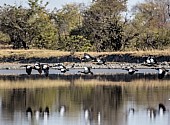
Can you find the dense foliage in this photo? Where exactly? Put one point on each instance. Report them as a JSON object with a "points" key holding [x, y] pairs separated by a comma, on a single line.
{"points": [[102, 26]]}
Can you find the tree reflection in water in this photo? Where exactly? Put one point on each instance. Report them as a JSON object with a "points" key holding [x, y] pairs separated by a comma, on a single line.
{"points": [[98, 100]]}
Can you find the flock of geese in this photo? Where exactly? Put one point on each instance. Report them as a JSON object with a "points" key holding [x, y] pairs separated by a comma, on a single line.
{"points": [[150, 62]]}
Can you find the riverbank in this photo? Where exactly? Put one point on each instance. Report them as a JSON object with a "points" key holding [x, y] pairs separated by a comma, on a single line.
{"points": [[13, 59], [54, 56]]}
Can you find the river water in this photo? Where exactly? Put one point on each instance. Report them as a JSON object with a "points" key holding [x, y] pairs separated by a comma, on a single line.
{"points": [[74, 99]]}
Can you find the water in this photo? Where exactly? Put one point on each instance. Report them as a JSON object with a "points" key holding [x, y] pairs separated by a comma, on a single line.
{"points": [[118, 99], [75, 71]]}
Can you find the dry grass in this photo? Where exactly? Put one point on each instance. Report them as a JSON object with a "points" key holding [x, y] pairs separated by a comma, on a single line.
{"points": [[132, 84], [32, 53], [7, 84], [54, 53]]}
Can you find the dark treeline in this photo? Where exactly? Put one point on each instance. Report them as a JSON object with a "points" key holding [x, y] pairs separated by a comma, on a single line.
{"points": [[102, 26]]}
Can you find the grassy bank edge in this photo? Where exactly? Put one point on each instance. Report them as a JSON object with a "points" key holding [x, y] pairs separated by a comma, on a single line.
{"points": [[55, 53]]}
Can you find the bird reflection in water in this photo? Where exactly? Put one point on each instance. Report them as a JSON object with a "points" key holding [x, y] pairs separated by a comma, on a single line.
{"points": [[131, 111], [62, 110], [90, 115], [152, 112], [37, 113]]}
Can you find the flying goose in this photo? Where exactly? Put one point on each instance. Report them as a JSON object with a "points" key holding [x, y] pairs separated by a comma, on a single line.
{"points": [[150, 61], [87, 70], [87, 57], [45, 68], [37, 66], [63, 68], [131, 70], [162, 72], [28, 68], [100, 61]]}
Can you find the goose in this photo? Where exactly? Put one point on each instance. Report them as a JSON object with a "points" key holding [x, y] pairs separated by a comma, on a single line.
{"points": [[45, 68], [161, 72], [87, 70], [100, 61], [61, 67], [87, 57], [150, 61], [37, 66], [131, 70], [28, 69]]}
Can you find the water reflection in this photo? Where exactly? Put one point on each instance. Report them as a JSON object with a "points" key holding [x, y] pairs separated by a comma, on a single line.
{"points": [[83, 100]]}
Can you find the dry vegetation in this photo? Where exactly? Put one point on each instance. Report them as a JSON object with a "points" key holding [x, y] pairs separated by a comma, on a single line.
{"points": [[54, 53], [7, 84]]}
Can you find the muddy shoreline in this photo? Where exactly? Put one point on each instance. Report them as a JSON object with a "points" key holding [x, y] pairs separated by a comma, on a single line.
{"points": [[112, 61], [127, 58]]}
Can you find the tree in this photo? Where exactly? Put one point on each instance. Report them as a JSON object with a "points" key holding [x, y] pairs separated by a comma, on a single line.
{"points": [[28, 27], [14, 23], [151, 21], [67, 20], [43, 29], [102, 24]]}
